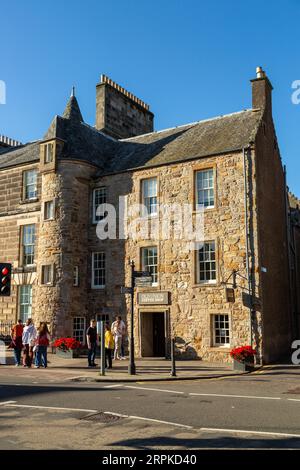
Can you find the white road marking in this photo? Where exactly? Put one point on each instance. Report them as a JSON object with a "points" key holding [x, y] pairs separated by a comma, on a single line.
{"points": [[242, 431], [115, 414], [293, 399], [50, 408], [160, 421], [233, 396], [112, 386], [153, 389], [7, 402]]}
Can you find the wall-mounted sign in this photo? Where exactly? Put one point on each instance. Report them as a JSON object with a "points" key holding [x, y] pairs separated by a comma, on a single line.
{"points": [[153, 298]]}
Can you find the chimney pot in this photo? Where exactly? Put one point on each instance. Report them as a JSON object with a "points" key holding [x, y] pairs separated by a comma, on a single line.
{"points": [[260, 72]]}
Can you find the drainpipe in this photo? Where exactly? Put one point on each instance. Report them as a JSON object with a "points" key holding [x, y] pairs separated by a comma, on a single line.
{"points": [[248, 275], [288, 241]]}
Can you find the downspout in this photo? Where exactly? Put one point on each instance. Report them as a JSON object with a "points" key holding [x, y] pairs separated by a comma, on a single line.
{"points": [[288, 241], [245, 155]]}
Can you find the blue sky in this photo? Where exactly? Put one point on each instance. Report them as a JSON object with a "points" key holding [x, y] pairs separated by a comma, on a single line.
{"points": [[189, 60]]}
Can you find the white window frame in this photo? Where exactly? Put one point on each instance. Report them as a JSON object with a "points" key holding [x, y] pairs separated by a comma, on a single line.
{"points": [[49, 267], [48, 155], [103, 197], [217, 324], [25, 305], [76, 276], [98, 286], [25, 243], [208, 259], [152, 268], [149, 197], [203, 187], [82, 331], [46, 204], [30, 175]]}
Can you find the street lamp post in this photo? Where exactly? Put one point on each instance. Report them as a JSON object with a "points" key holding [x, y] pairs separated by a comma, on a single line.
{"points": [[131, 366]]}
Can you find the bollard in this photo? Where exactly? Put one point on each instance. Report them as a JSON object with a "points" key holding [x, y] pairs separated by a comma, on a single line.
{"points": [[102, 350], [173, 366]]}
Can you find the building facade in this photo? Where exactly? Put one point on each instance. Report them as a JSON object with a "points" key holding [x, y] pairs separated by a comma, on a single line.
{"points": [[229, 287]]}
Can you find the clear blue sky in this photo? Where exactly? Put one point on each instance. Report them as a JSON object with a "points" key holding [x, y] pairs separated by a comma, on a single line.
{"points": [[189, 59]]}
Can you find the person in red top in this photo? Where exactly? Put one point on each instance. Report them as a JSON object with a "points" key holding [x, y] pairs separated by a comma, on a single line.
{"points": [[16, 336], [42, 343]]}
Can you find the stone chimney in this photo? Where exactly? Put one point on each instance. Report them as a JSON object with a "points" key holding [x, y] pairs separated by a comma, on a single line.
{"points": [[119, 113], [261, 91]]}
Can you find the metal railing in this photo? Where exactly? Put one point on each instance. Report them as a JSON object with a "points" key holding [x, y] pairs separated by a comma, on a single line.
{"points": [[5, 330]]}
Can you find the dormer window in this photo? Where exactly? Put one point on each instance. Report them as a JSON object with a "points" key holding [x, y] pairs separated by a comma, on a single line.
{"points": [[48, 153]]}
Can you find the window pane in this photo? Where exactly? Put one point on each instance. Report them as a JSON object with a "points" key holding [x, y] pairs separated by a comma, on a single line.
{"points": [[207, 263], [49, 210], [25, 302], [149, 192], [99, 197], [78, 329], [30, 182], [48, 153], [28, 242], [149, 261], [99, 269], [205, 188], [221, 330]]}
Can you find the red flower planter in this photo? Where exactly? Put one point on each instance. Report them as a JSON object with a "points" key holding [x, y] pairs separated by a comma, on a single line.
{"points": [[67, 348], [243, 358]]}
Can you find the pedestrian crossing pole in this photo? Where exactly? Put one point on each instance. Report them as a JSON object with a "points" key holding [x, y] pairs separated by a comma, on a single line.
{"points": [[102, 349], [131, 366]]}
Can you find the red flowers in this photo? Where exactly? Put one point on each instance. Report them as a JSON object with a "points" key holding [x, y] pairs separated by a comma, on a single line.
{"points": [[65, 344], [243, 353]]}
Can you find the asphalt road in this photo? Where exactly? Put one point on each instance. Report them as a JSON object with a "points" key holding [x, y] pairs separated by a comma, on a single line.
{"points": [[260, 410]]}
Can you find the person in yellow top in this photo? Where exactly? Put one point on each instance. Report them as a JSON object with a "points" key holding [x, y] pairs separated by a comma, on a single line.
{"points": [[109, 346]]}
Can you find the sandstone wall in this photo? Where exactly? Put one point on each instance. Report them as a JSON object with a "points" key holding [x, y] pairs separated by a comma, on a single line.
{"points": [[191, 305]]}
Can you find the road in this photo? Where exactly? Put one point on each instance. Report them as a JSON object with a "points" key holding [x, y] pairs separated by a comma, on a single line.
{"points": [[261, 410]]}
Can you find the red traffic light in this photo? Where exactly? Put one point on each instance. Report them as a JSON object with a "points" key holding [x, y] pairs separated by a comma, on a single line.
{"points": [[5, 279]]}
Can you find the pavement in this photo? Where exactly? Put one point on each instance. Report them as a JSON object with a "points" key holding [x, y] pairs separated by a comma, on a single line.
{"points": [[260, 410], [149, 370]]}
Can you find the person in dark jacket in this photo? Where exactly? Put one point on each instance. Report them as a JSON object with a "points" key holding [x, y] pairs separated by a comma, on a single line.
{"points": [[92, 341]]}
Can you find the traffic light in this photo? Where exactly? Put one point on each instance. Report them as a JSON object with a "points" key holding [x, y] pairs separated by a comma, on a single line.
{"points": [[5, 279]]}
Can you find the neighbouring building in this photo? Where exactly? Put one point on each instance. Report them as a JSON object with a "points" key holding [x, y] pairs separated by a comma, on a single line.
{"points": [[228, 168], [293, 205]]}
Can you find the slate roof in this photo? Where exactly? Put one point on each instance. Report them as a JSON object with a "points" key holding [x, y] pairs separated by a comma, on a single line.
{"points": [[82, 142], [13, 156], [210, 137]]}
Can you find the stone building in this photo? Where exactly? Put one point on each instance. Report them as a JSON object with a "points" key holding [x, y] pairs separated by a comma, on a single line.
{"points": [[227, 168]]}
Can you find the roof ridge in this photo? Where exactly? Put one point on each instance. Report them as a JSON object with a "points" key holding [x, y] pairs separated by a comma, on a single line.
{"points": [[221, 116]]}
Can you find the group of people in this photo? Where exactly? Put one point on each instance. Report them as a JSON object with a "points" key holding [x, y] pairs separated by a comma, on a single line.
{"points": [[32, 341], [115, 336], [30, 344]]}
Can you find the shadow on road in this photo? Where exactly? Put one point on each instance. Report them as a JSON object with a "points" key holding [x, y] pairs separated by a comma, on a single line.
{"points": [[203, 443]]}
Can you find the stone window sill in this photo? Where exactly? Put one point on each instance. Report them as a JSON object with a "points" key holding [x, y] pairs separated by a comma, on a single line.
{"points": [[29, 201], [207, 284], [225, 349]]}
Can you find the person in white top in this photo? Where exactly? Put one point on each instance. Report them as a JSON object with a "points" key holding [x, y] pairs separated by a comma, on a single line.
{"points": [[28, 340], [118, 329]]}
